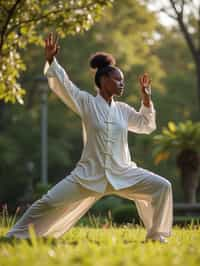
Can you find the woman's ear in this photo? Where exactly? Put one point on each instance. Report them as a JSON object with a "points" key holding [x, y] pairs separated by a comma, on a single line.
{"points": [[103, 80]]}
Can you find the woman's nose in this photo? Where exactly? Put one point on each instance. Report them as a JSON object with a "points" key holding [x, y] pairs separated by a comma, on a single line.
{"points": [[122, 83]]}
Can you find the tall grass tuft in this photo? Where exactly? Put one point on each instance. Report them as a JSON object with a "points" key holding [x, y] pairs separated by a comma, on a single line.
{"points": [[7, 220]]}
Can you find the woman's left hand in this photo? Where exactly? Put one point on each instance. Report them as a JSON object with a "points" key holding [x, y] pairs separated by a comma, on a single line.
{"points": [[145, 82], [145, 86]]}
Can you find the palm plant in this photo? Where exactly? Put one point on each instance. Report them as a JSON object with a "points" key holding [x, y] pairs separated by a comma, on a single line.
{"points": [[184, 140]]}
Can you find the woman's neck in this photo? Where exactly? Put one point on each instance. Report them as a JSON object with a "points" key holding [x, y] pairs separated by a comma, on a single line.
{"points": [[107, 97]]}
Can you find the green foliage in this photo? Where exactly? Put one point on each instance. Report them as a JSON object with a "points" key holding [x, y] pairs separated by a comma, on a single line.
{"points": [[126, 214], [20, 131], [103, 206], [184, 135], [179, 94], [20, 145], [26, 22]]}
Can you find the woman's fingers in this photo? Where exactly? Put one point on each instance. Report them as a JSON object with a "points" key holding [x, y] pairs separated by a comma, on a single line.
{"points": [[48, 40], [56, 39], [51, 38], [140, 80], [144, 80]]}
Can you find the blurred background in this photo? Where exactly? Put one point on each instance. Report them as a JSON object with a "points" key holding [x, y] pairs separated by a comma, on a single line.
{"points": [[41, 138]]}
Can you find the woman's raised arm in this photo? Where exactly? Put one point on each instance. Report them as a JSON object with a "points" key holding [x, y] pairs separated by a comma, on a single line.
{"points": [[143, 121], [59, 81]]}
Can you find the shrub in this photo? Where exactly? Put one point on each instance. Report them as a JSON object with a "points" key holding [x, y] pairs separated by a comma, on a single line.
{"points": [[126, 214], [106, 204]]}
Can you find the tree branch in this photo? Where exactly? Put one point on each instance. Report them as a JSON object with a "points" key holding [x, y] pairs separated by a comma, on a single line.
{"points": [[10, 14], [42, 17], [174, 6], [182, 8], [186, 34], [38, 18], [164, 10]]}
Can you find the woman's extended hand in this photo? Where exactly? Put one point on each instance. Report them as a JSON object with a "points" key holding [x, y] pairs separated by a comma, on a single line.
{"points": [[51, 46], [145, 86]]}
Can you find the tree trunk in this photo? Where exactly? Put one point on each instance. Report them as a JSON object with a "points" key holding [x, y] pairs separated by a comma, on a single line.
{"points": [[198, 82], [190, 184], [2, 115], [188, 163]]}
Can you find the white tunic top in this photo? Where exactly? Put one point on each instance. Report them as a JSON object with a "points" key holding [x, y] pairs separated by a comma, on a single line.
{"points": [[105, 156]]}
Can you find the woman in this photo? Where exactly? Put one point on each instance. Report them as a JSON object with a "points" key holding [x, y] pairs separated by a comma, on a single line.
{"points": [[105, 166]]}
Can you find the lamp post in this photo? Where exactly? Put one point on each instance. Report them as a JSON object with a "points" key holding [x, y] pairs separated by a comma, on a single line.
{"points": [[42, 85]]}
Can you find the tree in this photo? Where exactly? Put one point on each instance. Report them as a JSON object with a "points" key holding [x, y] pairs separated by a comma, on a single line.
{"points": [[26, 21], [184, 140], [187, 14], [179, 92]]}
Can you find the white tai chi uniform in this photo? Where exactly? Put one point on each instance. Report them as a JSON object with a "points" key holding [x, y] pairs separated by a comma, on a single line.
{"points": [[105, 166]]}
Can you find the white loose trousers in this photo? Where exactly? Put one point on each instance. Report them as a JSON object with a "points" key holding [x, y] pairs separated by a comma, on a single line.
{"points": [[64, 204]]}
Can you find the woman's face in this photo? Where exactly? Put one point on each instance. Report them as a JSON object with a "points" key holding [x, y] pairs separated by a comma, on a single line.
{"points": [[113, 84]]}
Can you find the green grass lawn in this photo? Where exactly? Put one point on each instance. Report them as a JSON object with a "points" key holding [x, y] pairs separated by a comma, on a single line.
{"points": [[103, 247]]}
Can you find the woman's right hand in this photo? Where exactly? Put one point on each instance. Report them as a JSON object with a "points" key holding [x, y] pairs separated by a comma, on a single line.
{"points": [[51, 47]]}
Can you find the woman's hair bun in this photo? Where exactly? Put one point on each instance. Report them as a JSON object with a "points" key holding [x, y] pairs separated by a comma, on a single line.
{"points": [[101, 59]]}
